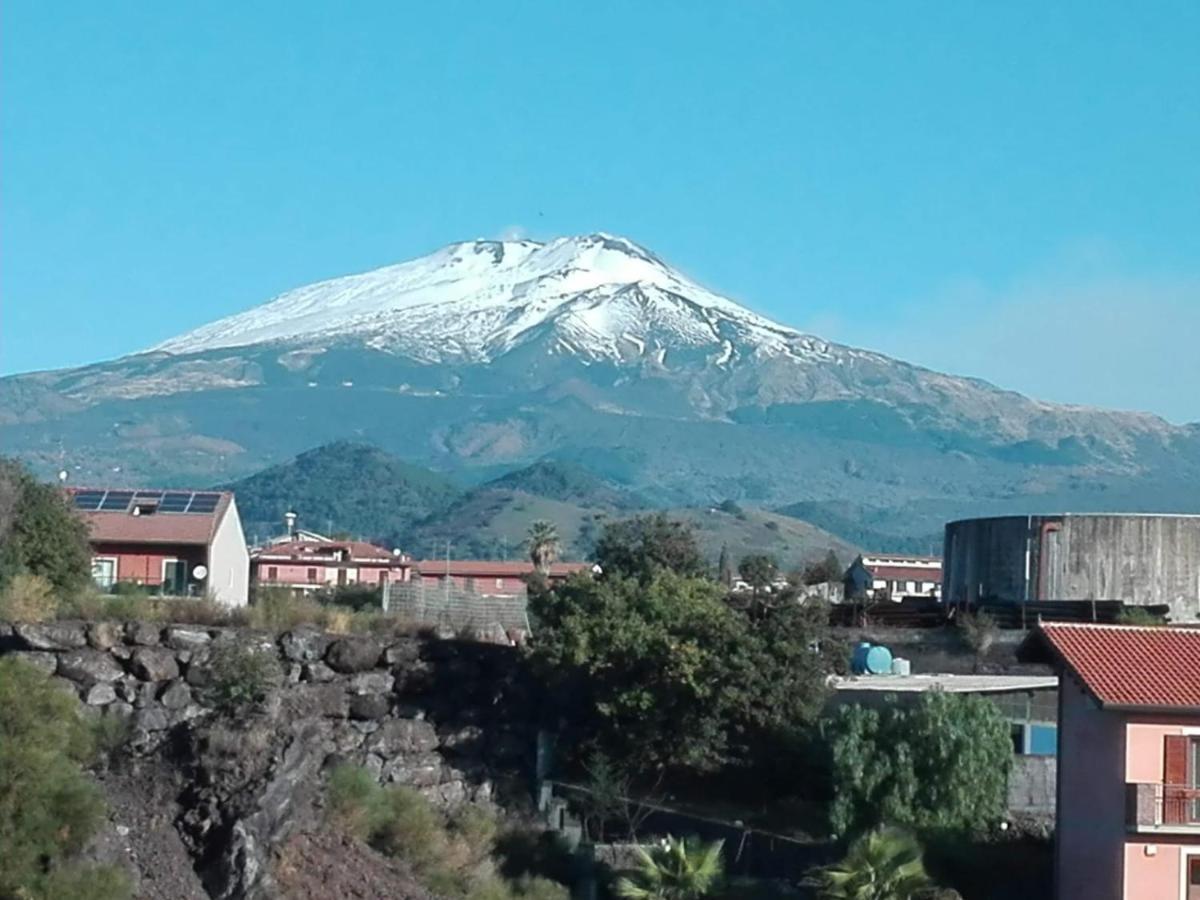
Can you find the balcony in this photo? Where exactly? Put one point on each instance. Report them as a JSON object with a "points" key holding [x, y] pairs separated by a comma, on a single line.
{"points": [[1163, 808]]}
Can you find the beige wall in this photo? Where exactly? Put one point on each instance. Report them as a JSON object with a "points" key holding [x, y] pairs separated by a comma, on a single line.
{"points": [[1152, 872], [229, 561]]}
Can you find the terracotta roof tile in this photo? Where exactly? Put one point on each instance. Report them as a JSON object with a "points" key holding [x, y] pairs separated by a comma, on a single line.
{"points": [[1131, 666], [907, 573]]}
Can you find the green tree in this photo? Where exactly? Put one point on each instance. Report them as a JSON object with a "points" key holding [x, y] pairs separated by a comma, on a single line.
{"points": [[674, 870], [725, 567], [885, 864], [664, 674], [644, 545], [543, 545], [48, 808], [40, 534], [827, 570], [759, 571], [942, 764]]}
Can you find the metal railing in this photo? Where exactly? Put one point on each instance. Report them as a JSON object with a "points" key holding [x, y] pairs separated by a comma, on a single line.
{"points": [[1162, 806]]}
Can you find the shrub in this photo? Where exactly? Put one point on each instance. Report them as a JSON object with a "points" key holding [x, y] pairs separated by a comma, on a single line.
{"points": [[240, 677], [978, 631], [452, 855], [884, 864], [40, 534], [48, 808], [674, 870], [1137, 615], [942, 764], [28, 598]]}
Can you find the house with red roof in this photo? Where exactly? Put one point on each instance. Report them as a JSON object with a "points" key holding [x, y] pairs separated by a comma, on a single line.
{"points": [[308, 562], [894, 576], [1128, 807], [489, 578], [177, 543]]}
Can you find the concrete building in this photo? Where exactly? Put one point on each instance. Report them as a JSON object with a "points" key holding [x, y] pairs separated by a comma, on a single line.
{"points": [[311, 563], [177, 543], [488, 578], [1128, 819], [893, 576], [1142, 560]]}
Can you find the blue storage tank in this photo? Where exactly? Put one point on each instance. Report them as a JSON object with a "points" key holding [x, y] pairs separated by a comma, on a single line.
{"points": [[871, 659]]}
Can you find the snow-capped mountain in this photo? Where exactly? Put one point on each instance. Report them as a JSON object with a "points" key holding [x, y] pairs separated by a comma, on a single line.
{"points": [[605, 298], [591, 350]]}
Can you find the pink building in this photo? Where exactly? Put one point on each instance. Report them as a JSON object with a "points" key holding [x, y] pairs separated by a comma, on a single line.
{"points": [[488, 577], [1129, 760], [310, 565]]}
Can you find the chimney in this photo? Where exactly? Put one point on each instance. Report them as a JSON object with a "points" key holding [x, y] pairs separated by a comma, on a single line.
{"points": [[289, 519]]}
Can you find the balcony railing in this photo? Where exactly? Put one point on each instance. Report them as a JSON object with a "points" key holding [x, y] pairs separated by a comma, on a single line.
{"points": [[1163, 807]]}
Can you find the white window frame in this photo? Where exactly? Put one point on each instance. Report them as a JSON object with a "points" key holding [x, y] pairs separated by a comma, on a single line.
{"points": [[116, 568]]}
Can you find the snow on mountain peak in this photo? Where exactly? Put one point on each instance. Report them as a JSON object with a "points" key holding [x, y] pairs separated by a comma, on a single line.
{"points": [[475, 300]]}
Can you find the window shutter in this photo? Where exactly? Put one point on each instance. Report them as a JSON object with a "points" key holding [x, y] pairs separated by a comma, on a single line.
{"points": [[1175, 771]]}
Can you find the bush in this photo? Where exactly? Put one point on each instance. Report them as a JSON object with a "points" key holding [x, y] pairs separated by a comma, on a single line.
{"points": [[978, 631], [452, 855], [28, 598], [48, 808], [40, 534], [1137, 615], [239, 677], [942, 764]]}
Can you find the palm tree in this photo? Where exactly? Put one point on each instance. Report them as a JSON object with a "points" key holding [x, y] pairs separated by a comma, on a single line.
{"points": [[884, 864], [543, 545], [674, 870]]}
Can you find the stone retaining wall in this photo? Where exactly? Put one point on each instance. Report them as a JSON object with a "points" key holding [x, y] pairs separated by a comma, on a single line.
{"points": [[375, 698]]}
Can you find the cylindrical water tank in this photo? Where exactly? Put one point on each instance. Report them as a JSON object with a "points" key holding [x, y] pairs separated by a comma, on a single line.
{"points": [[879, 661], [858, 659]]}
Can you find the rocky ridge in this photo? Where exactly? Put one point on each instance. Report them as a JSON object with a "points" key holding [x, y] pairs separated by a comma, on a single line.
{"points": [[223, 794]]}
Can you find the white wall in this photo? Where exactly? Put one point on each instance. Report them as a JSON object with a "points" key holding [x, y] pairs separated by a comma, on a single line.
{"points": [[229, 561]]}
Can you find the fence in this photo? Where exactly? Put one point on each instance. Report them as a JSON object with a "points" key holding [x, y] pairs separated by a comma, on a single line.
{"points": [[456, 608]]}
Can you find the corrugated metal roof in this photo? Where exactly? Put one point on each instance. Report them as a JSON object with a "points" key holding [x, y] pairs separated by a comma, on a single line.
{"points": [[1129, 666]]}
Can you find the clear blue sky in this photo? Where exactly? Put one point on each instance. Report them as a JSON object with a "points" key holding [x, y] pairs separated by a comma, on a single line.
{"points": [[1009, 190]]}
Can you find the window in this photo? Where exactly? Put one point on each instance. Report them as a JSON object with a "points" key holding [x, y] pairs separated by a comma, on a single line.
{"points": [[499, 582], [272, 573], [104, 571], [312, 576]]}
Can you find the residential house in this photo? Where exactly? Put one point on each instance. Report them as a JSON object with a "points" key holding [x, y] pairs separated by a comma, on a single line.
{"points": [[178, 543], [1128, 823], [488, 577], [311, 562], [894, 576]]}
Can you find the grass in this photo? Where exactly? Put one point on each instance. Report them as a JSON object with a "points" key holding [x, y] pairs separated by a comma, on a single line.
{"points": [[454, 855], [25, 601]]}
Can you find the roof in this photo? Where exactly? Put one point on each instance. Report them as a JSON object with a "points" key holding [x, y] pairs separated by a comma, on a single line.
{"points": [[119, 518], [952, 684], [485, 568], [906, 573], [1124, 666], [303, 550]]}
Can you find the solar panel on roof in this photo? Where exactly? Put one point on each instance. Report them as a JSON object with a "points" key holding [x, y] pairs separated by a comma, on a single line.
{"points": [[174, 501], [204, 503], [88, 501], [149, 495], [116, 501]]}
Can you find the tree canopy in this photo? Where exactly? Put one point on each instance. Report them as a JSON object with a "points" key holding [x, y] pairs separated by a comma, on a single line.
{"points": [[641, 546], [662, 672], [941, 764], [40, 534]]}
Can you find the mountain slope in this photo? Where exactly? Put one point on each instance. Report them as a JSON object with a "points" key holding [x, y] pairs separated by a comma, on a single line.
{"points": [[591, 351], [342, 487]]}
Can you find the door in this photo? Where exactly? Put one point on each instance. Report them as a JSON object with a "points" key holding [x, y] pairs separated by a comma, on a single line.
{"points": [[1193, 877], [174, 580], [104, 571]]}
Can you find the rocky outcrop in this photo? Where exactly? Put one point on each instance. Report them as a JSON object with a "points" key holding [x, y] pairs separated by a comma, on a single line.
{"points": [[444, 717]]}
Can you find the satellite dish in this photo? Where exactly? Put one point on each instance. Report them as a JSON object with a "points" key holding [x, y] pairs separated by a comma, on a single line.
{"points": [[199, 572]]}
